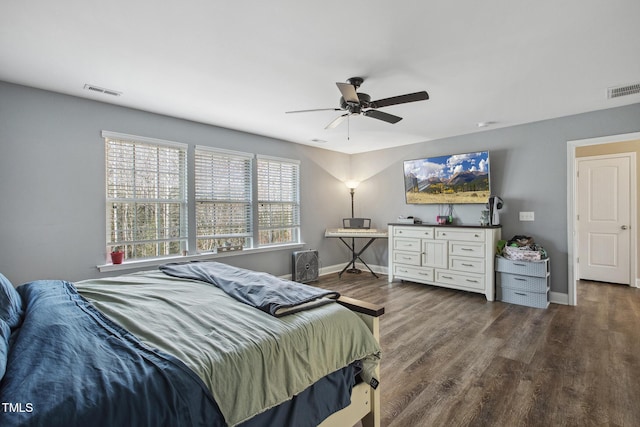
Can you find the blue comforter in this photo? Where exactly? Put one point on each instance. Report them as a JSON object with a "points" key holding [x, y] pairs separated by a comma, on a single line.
{"points": [[70, 365]]}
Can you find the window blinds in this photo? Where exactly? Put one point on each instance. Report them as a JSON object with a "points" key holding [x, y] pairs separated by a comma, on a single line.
{"points": [[278, 200], [223, 198], [146, 196]]}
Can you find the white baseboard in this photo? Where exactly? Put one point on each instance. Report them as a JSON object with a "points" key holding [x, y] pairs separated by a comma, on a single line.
{"points": [[559, 298], [337, 268]]}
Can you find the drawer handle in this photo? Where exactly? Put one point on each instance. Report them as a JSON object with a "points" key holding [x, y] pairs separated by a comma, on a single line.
{"points": [[423, 274], [467, 249], [520, 293], [519, 265], [520, 279], [467, 265], [472, 281], [406, 257], [447, 277]]}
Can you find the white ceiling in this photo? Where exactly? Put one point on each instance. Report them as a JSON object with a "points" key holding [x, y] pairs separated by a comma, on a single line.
{"points": [[242, 64]]}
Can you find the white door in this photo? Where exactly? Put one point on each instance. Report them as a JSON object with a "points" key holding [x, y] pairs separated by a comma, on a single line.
{"points": [[603, 218]]}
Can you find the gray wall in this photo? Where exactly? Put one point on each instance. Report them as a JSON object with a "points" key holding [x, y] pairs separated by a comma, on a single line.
{"points": [[52, 214], [528, 170], [52, 209]]}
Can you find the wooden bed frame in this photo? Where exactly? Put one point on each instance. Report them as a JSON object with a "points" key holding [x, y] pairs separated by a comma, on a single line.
{"points": [[365, 400]]}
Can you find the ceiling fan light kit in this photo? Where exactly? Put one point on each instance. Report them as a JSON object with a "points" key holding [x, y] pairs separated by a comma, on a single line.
{"points": [[358, 103]]}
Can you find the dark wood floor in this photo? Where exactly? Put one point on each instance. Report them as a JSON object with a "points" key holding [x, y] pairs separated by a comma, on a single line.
{"points": [[451, 358]]}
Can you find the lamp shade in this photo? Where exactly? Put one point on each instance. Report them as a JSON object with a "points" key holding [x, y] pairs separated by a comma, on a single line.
{"points": [[352, 184]]}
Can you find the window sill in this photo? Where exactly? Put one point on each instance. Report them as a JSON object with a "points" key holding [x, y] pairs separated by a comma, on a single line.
{"points": [[154, 262]]}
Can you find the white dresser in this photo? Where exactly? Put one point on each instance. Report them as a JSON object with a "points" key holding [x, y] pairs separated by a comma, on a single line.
{"points": [[459, 257]]}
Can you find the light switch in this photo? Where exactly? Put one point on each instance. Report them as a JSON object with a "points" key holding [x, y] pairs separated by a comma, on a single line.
{"points": [[527, 216]]}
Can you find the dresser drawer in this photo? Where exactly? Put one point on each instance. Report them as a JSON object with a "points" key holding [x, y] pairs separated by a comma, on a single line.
{"points": [[402, 257], [475, 250], [467, 280], [522, 283], [470, 265], [459, 234], [420, 274], [419, 232], [406, 244]]}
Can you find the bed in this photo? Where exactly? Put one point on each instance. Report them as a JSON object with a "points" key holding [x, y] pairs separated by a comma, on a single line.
{"points": [[189, 344]]}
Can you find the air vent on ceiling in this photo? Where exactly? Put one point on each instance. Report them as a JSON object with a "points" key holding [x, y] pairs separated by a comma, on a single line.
{"points": [[615, 92], [102, 90]]}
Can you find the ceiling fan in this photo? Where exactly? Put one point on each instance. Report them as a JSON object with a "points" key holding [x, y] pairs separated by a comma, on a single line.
{"points": [[354, 102]]}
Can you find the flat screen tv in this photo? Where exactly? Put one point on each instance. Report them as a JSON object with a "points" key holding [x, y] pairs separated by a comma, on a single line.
{"points": [[453, 179]]}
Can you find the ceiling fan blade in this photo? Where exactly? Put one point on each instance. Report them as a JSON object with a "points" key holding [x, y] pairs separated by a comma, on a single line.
{"points": [[402, 99], [380, 115], [316, 109], [337, 121], [348, 92]]}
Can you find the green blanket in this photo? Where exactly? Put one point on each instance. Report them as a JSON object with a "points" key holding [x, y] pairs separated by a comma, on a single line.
{"points": [[250, 360]]}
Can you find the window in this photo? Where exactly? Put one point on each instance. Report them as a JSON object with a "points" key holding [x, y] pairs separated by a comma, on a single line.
{"points": [[278, 201], [233, 198], [223, 199], [146, 196]]}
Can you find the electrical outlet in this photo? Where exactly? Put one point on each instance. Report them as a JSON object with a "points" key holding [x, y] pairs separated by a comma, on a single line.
{"points": [[527, 216]]}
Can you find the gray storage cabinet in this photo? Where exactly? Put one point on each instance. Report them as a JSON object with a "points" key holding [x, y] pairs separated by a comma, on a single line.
{"points": [[523, 282]]}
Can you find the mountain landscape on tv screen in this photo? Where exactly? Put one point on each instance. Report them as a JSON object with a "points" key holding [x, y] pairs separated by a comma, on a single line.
{"points": [[448, 180]]}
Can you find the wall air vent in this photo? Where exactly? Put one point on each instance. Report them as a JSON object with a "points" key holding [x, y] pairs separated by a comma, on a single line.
{"points": [[615, 92], [98, 89]]}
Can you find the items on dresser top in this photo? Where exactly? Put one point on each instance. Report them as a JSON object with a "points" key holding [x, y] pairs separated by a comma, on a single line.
{"points": [[458, 257]]}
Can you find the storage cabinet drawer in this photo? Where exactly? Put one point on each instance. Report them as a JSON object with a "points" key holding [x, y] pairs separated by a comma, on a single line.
{"points": [[460, 234], [522, 283], [475, 250], [420, 274], [419, 232], [468, 280], [411, 258], [526, 268], [466, 264], [406, 245], [530, 299]]}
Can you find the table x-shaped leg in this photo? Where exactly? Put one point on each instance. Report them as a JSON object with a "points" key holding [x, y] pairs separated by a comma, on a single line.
{"points": [[356, 255]]}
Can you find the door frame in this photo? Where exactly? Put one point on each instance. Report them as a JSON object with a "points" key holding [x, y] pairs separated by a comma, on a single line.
{"points": [[572, 241]]}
